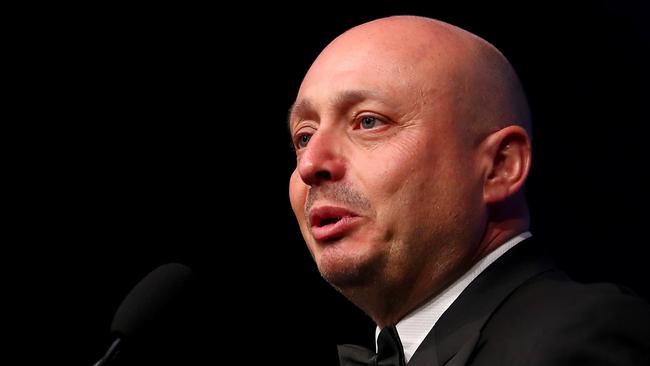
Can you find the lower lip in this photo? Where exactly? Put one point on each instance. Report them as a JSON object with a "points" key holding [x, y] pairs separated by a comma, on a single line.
{"points": [[335, 230]]}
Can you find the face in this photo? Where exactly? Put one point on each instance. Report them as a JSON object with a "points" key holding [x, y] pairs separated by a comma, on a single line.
{"points": [[382, 188]]}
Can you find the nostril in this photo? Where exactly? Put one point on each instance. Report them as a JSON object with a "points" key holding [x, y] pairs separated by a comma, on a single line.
{"points": [[323, 175]]}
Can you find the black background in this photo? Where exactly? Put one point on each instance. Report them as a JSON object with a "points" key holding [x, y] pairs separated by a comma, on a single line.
{"points": [[158, 134]]}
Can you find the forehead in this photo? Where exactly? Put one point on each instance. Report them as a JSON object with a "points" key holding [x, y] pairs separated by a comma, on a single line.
{"points": [[363, 68], [352, 81], [364, 64], [340, 99]]}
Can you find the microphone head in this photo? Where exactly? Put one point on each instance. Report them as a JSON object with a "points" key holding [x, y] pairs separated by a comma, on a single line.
{"points": [[154, 303]]}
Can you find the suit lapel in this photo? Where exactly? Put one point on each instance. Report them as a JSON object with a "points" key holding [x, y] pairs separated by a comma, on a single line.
{"points": [[455, 335], [467, 346]]}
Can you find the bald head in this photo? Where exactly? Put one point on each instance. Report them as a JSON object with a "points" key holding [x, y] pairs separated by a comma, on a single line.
{"points": [[437, 61]]}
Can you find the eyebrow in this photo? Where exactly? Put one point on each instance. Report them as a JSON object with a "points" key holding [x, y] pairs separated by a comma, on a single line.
{"points": [[346, 98], [301, 108]]}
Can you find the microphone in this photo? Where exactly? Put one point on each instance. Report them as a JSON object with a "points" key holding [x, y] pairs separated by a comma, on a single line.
{"points": [[152, 303]]}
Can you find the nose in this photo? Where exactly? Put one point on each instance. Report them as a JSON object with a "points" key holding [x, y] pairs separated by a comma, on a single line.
{"points": [[322, 159]]}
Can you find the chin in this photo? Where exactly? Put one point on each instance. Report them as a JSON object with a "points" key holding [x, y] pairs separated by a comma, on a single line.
{"points": [[343, 269]]}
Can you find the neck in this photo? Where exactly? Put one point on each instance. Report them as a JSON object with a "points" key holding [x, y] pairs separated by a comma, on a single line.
{"points": [[505, 221], [400, 292], [387, 306]]}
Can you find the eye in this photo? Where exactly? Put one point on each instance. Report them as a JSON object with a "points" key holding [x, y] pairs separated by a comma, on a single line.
{"points": [[302, 140], [368, 122]]}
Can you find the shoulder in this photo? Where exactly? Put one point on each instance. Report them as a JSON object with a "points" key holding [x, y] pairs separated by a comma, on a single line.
{"points": [[553, 320], [553, 295]]}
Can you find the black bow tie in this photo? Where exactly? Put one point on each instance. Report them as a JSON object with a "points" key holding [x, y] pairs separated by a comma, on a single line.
{"points": [[390, 352]]}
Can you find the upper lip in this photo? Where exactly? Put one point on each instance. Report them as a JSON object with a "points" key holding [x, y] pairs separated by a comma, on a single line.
{"points": [[323, 215]]}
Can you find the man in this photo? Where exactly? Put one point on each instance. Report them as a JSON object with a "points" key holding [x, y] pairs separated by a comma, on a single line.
{"points": [[413, 144]]}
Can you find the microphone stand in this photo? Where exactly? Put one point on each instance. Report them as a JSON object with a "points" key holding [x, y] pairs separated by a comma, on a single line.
{"points": [[110, 354]]}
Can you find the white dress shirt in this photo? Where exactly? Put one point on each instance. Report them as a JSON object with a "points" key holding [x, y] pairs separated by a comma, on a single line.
{"points": [[414, 327]]}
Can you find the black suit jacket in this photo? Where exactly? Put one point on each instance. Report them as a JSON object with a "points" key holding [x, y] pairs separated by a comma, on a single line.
{"points": [[523, 311]]}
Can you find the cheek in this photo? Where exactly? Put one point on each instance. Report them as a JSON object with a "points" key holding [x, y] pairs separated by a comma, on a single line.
{"points": [[406, 172], [400, 187], [297, 195], [298, 191], [420, 186], [393, 163]]}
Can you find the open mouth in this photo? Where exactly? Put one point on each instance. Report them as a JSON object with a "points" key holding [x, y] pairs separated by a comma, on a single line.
{"points": [[328, 215], [330, 223]]}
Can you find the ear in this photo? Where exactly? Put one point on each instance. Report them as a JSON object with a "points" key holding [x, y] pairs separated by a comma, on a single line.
{"points": [[506, 158]]}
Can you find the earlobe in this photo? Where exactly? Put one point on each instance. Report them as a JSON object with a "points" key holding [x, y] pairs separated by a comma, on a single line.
{"points": [[507, 154]]}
